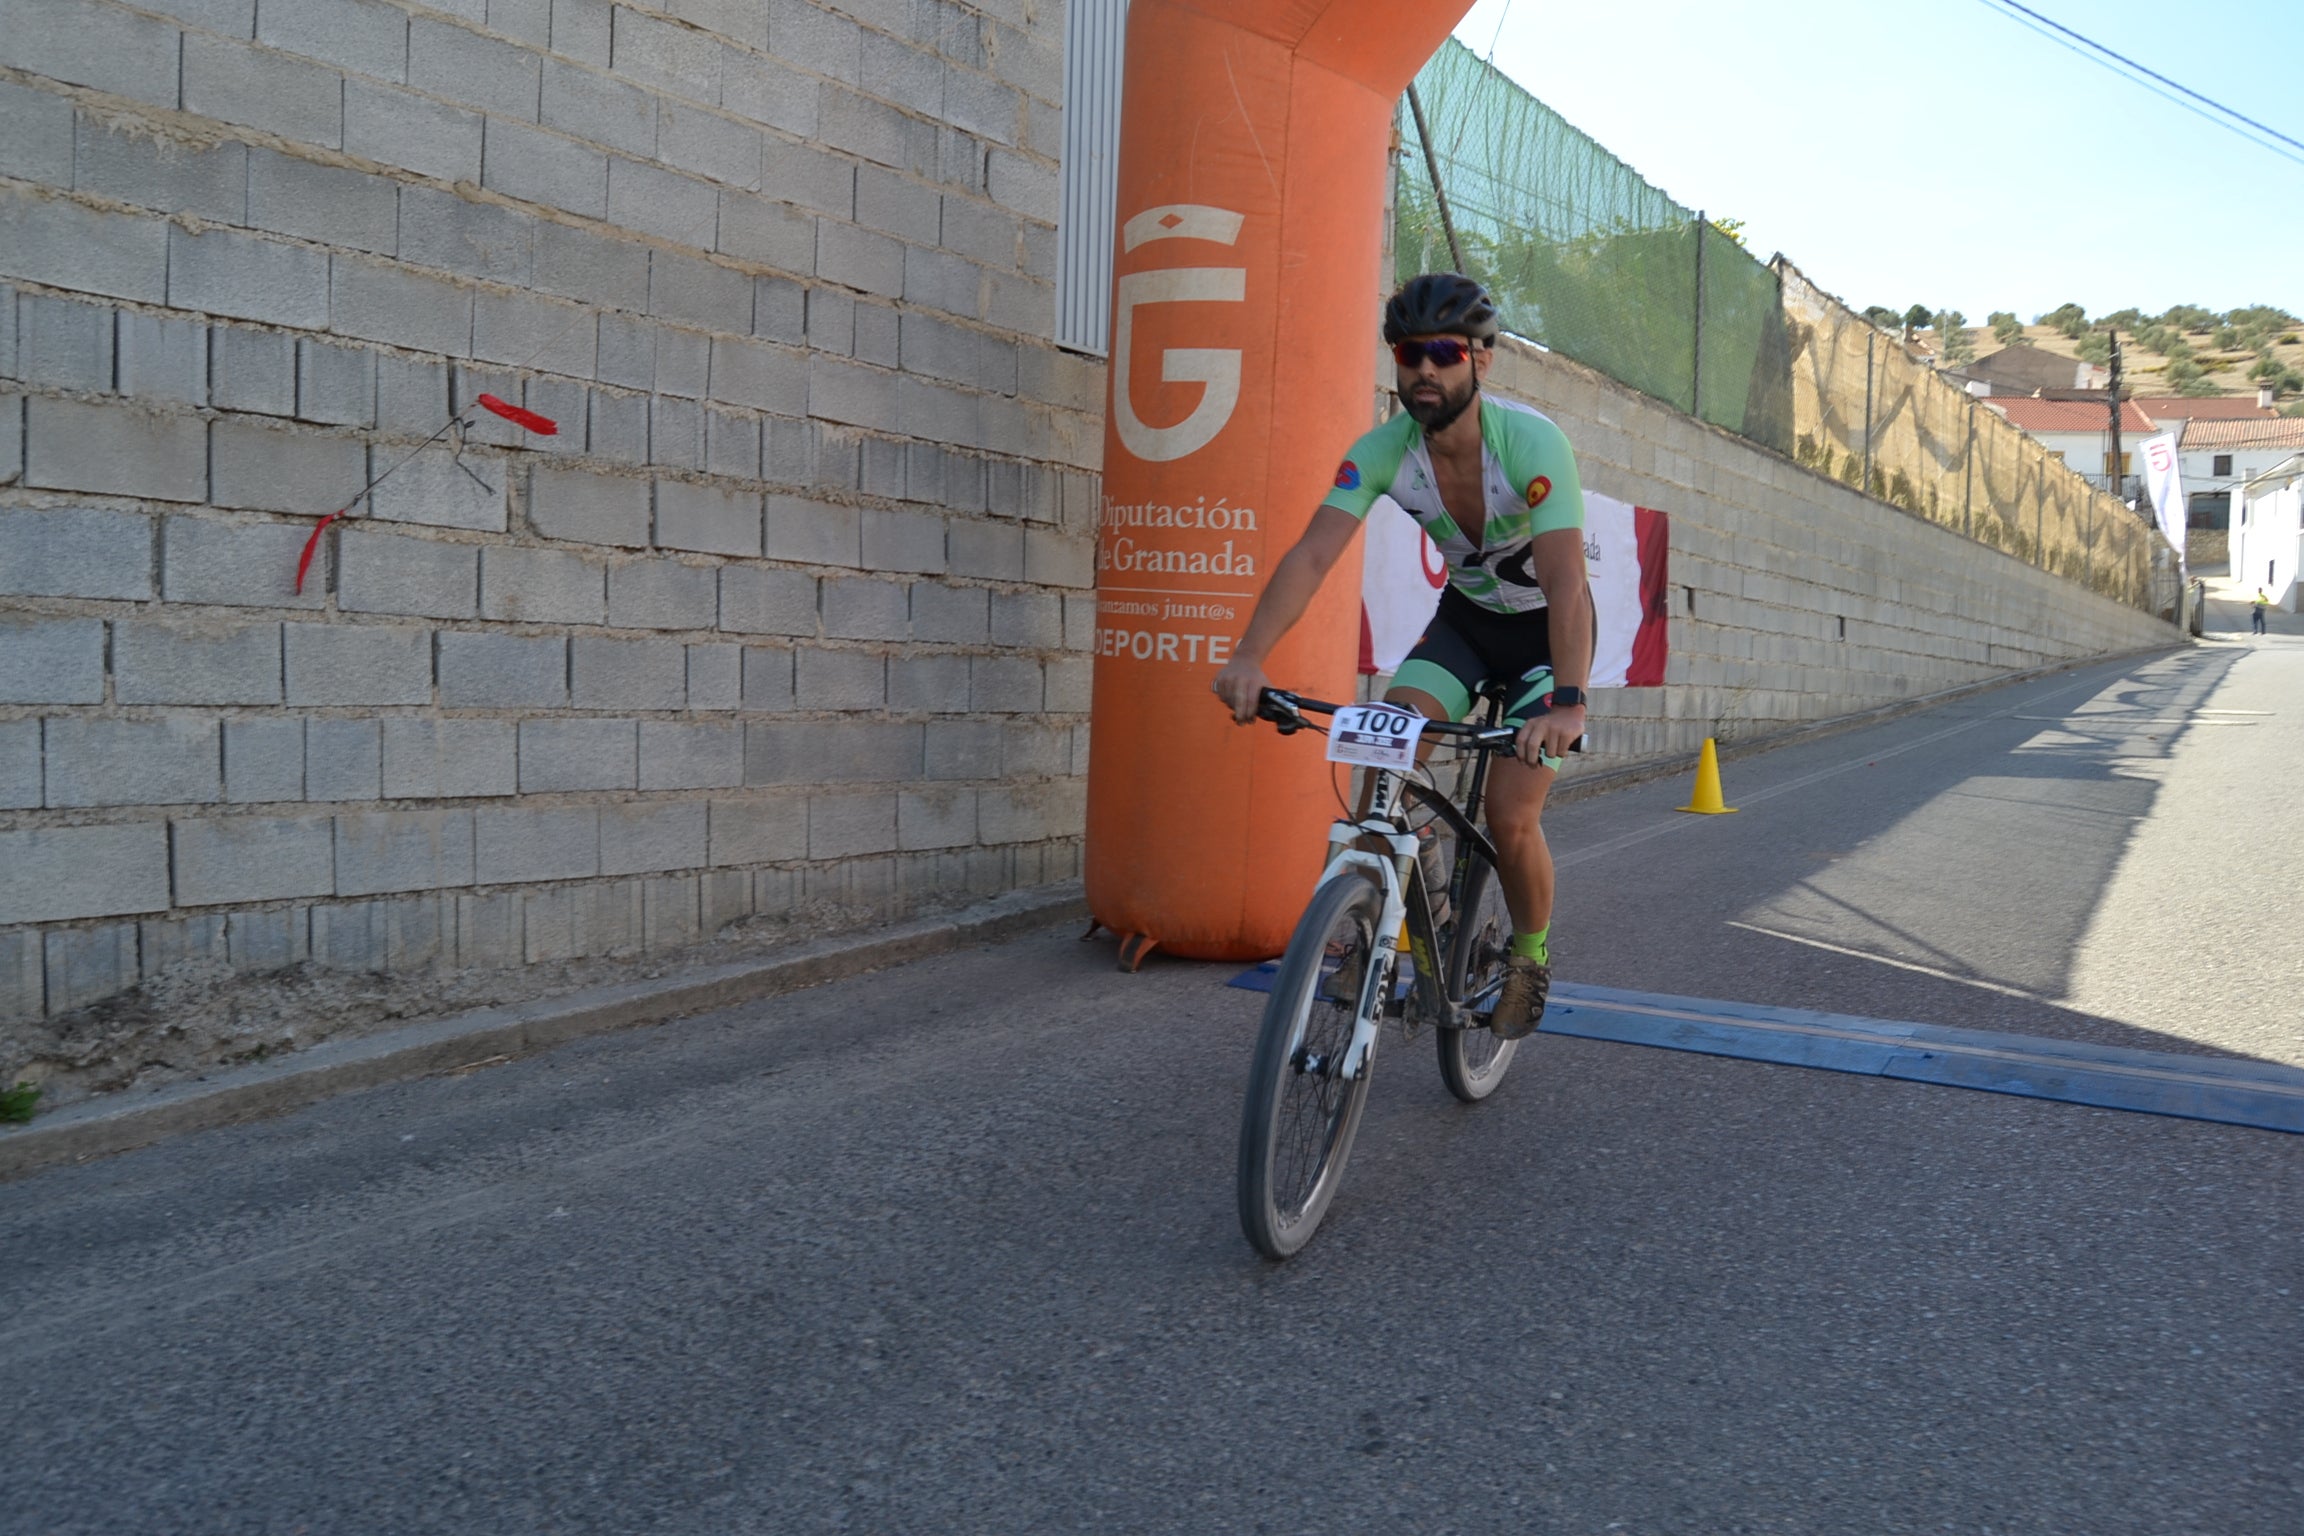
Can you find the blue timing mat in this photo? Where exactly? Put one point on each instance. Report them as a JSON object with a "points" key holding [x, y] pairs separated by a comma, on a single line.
{"points": [[2264, 1095]]}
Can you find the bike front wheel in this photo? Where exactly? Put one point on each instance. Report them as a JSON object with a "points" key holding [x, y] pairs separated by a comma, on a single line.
{"points": [[1472, 1061], [1297, 1125]]}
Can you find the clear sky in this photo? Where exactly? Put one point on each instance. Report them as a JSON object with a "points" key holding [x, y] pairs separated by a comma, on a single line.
{"points": [[1939, 153]]}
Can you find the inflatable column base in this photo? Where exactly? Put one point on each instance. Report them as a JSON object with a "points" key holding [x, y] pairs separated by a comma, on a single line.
{"points": [[1135, 948]]}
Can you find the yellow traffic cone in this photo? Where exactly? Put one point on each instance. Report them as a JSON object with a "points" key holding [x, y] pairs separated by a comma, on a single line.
{"points": [[1706, 801]]}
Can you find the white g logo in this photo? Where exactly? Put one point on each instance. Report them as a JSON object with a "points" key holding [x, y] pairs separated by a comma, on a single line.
{"points": [[1216, 368]]}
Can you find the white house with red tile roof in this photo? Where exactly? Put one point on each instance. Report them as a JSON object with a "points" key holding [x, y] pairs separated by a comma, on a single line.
{"points": [[2268, 531], [2170, 412], [2215, 457], [2078, 431]]}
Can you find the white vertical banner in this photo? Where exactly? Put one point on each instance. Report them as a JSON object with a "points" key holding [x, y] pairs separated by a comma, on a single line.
{"points": [[1612, 557], [2164, 484]]}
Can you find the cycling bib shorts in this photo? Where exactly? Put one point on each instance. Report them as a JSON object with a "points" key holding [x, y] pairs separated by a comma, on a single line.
{"points": [[1467, 646]]}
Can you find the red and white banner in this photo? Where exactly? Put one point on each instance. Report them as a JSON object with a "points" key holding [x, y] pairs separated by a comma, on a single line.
{"points": [[1625, 550]]}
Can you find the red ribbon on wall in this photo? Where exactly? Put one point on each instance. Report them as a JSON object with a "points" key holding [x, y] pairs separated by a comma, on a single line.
{"points": [[520, 416], [542, 426]]}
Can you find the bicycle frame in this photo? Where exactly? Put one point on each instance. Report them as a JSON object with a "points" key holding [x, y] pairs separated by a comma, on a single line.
{"points": [[1309, 1078], [1383, 821], [1397, 875]]}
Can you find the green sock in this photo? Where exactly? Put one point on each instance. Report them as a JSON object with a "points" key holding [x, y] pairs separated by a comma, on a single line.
{"points": [[1535, 946]]}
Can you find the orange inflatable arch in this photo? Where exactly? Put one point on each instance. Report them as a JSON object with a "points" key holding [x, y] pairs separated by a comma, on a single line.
{"points": [[1253, 146]]}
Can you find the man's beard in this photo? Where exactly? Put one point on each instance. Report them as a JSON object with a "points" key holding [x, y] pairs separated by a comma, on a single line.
{"points": [[1440, 414]]}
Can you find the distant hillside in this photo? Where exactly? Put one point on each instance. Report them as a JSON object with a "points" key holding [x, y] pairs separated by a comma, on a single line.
{"points": [[2186, 351]]}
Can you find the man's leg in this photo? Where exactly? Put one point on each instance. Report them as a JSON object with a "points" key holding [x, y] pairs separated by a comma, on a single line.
{"points": [[1516, 793], [1421, 702], [1432, 683]]}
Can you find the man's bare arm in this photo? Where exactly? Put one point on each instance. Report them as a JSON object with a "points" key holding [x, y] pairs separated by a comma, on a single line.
{"points": [[1557, 558], [1295, 580]]}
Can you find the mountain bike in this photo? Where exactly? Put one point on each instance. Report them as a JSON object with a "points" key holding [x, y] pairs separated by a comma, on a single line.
{"points": [[1390, 877]]}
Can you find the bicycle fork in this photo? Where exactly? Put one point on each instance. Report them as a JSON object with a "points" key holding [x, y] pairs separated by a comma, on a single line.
{"points": [[1392, 875]]}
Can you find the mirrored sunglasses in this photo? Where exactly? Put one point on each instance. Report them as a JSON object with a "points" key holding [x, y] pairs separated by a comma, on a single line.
{"points": [[1445, 352]]}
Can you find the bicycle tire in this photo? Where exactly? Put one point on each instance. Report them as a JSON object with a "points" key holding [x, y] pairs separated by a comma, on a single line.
{"points": [[1473, 1061], [1296, 1126]]}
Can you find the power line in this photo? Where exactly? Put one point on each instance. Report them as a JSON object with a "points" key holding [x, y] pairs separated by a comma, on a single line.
{"points": [[2231, 119], [1499, 33], [2155, 74], [2174, 100]]}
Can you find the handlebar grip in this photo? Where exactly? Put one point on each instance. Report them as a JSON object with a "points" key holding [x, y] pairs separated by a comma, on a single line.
{"points": [[1279, 706]]}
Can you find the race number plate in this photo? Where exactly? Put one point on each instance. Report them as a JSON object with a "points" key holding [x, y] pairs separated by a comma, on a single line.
{"points": [[1375, 736]]}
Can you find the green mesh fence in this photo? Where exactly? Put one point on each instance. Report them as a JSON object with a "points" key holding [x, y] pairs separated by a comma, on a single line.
{"points": [[1586, 257], [1589, 259]]}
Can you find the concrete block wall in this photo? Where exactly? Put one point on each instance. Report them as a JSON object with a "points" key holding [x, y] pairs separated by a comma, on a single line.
{"points": [[1796, 598], [794, 606]]}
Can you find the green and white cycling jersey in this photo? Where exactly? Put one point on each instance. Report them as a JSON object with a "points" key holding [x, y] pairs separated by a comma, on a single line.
{"points": [[1528, 477]]}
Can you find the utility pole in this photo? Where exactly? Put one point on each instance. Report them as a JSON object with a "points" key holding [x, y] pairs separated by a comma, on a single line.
{"points": [[2112, 473]]}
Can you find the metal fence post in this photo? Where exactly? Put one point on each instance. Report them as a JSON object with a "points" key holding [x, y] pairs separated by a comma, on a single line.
{"points": [[1871, 345], [1968, 476], [2040, 509], [1696, 385], [2088, 548], [1432, 169]]}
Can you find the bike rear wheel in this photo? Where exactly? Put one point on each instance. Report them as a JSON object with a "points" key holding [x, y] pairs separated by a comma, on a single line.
{"points": [[1472, 1061], [1297, 1124]]}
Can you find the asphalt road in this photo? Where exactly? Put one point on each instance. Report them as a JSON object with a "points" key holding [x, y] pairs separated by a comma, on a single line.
{"points": [[951, 1247]]}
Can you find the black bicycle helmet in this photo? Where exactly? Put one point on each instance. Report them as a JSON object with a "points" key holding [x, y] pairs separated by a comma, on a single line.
{"points": [[1439, 304]]}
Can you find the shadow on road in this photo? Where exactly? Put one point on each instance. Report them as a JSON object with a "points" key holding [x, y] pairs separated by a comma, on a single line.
{"points": [[1945, 868]]}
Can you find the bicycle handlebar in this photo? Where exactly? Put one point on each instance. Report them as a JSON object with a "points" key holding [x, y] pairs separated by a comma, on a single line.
{"points": [[1286, 710]]}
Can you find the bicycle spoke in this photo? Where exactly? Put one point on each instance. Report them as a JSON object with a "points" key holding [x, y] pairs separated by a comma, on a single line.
{"points": [[1312, 1103], [1472, 1060]]}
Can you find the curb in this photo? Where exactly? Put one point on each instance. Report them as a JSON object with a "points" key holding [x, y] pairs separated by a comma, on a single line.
{"points": [[1583, 787], [102, 1126]]}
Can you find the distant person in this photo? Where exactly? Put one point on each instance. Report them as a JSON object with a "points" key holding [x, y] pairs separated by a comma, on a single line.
{"points": [[2256, 612]]}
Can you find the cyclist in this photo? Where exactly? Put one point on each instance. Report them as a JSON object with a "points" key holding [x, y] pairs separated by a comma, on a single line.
{"points": [[1494, 484]]}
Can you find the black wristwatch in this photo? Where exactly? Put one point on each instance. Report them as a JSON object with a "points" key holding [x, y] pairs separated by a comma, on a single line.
{"points": [[1567, 697]]}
